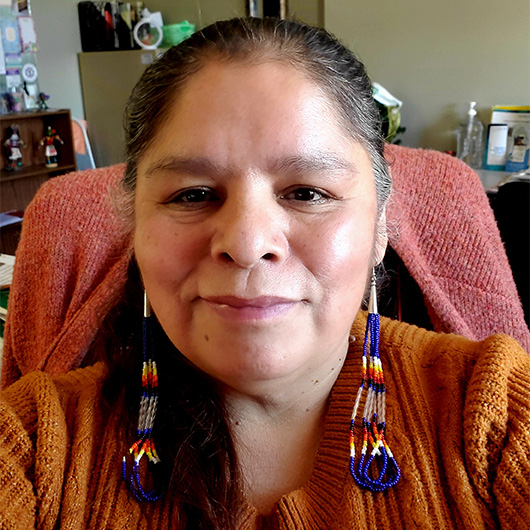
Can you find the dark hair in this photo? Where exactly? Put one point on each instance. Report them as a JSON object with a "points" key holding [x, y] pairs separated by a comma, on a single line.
{"points": [[193, 436], [312, 51], [198, 473]]}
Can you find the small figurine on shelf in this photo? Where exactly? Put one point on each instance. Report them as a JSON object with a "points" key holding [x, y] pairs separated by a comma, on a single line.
{"points": [[49, 141], [9, 102], [12, 146], [42, 101]]}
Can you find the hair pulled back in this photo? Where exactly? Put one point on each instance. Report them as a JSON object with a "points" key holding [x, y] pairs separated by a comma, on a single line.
{"points": [[312, 51]]}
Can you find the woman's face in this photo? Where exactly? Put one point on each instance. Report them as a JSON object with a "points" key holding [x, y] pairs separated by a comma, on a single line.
{"points": [[255, 221]]}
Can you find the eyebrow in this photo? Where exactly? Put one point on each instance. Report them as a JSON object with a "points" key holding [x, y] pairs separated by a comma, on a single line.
{"points": [[320, 161], [191, 166], [317, 162]]}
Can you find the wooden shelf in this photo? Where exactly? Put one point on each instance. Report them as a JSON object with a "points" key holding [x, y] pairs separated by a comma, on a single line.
{"points": [[31, 114], [18, 186], [14, 174], [32, 129]]}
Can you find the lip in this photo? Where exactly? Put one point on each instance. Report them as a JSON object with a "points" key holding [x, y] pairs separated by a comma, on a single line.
{"points": [[250, 309]]}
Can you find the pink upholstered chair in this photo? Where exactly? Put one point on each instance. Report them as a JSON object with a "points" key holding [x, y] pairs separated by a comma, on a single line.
{"points": [[72, 260], [448, 240]]}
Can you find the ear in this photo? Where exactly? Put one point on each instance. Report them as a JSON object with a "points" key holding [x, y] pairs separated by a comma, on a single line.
{"points": [[381, 239]]}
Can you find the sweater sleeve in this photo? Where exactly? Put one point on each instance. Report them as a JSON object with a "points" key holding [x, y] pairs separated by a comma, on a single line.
{"points": [[17, 499], [497, 431], [32, 454]]}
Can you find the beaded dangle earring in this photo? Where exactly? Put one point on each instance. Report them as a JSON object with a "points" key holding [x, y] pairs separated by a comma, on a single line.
{"points": [[145, 445], [368, 474]]}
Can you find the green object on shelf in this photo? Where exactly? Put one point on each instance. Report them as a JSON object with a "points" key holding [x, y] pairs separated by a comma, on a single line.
{"points": [[175, 33]]}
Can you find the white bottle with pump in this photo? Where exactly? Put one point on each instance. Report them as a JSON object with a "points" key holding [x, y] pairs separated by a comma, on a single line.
{"points": [[469, 137]]}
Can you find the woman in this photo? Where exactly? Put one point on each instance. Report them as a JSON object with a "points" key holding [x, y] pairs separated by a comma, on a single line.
{"points": [[256, 190]]}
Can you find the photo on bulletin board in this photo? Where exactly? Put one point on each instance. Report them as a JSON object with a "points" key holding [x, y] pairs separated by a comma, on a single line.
{"points": [[10, 35]]}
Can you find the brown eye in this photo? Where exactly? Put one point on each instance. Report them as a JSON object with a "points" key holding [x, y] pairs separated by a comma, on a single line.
{"points": [[195, 196], [306, 195]]}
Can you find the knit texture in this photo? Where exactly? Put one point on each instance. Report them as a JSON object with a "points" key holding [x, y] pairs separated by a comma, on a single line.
{"points": [[72, 260], [458, 416], [70, 269], [448, 239]]}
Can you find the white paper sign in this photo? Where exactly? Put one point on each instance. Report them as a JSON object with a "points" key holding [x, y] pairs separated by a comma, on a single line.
{"points": [[28, 36]]}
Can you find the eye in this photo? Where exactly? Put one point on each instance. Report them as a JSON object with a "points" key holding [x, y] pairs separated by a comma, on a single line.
{"points": [[306, 194], [194, 197]]}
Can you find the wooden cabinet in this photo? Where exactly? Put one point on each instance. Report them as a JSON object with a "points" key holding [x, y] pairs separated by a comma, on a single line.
{"points": [[18, 186]]}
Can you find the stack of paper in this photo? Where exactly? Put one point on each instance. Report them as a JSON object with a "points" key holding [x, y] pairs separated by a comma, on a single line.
{"points": [[7, 262]]}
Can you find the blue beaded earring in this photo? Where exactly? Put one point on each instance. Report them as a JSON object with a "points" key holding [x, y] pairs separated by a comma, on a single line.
{"points": [[365, 472], [144, 445]]}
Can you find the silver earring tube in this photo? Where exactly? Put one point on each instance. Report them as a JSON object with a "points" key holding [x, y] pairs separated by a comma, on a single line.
{"points": [[372, 304], [147, 306]]}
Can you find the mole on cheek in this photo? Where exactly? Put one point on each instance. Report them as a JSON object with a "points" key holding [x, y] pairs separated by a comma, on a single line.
{"points": [[206, 338]]}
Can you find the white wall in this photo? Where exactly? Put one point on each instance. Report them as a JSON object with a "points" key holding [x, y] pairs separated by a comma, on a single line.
{"points": [[57, 26], [437, 55], [59, 41]]}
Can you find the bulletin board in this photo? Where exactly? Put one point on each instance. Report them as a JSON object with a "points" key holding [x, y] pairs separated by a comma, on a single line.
{"points": [[19, 86]]}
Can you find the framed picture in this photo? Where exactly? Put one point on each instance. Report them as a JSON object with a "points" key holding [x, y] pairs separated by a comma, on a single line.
{"points": [[267, 8]]}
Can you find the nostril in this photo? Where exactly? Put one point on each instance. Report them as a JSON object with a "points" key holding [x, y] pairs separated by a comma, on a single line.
{"points": [[269, 256], [226, 257]]}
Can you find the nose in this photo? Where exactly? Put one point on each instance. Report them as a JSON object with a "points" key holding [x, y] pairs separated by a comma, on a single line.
{"points": [[249, 232]]}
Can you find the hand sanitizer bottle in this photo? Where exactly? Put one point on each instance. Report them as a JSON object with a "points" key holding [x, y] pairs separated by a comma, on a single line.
{"points": [[469, 138]]}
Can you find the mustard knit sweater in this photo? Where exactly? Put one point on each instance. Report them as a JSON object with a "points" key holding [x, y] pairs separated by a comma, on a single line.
{"points": [[458, 416]]}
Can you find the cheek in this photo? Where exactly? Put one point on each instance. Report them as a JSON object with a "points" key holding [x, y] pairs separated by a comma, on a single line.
{"points": [[344, 244], [342, 252], [165, 254], [340, 262]]}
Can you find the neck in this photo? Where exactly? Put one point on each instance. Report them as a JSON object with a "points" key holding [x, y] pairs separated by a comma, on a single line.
{"points": [[277, 430], [272, 399]]}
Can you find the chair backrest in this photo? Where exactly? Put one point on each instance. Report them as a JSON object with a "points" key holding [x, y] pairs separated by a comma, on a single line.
{"points": [[70, 266], [72, 260], [449, 241], [511, 207], [83, 151]]}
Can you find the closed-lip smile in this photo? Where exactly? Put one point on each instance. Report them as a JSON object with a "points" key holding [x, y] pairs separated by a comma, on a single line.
{"points": [[247, 309]]}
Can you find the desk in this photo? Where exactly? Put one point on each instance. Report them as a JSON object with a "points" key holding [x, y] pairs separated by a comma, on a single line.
{"points": [[490, 179]]}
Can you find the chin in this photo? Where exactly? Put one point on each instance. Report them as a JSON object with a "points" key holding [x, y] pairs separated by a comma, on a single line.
{"points": [[239, 364]]}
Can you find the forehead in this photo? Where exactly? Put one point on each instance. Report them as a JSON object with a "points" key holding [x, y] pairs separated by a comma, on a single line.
{"points": [[241, 108], [267, 75]]}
